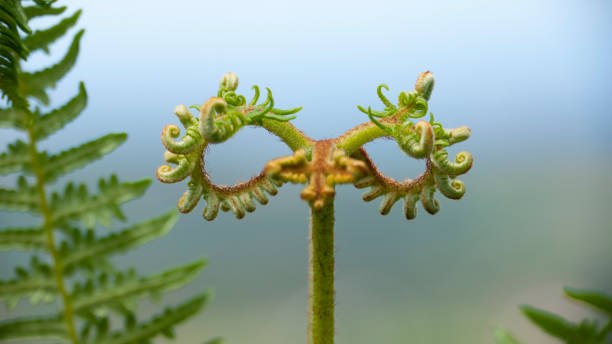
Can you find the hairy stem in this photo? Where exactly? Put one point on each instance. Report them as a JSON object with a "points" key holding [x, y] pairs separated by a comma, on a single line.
{"points": [[358, 136], [321, 275], [58, 269], [291, 135]]}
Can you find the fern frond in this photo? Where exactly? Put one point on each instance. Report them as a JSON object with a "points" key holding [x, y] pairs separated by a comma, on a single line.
{"points": [[49, 327], [12, 14], [12, 49], [34, 84], [92, 297], [41, 39], [22, 239], [37, 283], [16, 158], [55, 120], [594, 298], [160, 324], [37, 11], [69, 160], [551, 323], [44, 3], [11, 117], [504, 337], [25, 198], [91, 248], [78, 205]]}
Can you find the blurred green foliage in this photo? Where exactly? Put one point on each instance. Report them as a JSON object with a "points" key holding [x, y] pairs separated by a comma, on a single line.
{"points": [[71, 262], [588, 331]]}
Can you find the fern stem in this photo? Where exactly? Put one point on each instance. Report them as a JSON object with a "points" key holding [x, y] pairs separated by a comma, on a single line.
{"points": [[291, 135], [58, 269], [321, 275], [360, 135]]}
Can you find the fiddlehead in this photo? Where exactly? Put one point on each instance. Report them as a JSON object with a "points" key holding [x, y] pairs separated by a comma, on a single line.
{"points": [[416, 141], [190, 141], [220, 118], [321, 165], [423, 140], [462, 164]]}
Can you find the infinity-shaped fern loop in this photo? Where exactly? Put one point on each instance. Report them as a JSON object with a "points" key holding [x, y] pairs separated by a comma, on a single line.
{"points": [[319, 164]]}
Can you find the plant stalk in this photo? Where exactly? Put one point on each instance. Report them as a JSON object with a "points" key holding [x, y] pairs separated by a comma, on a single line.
{"points": [[58, 269], [321, 275]]}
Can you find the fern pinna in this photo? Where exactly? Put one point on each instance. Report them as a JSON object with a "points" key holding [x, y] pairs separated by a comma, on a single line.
{"points": [[70, 264], [588, 331]]}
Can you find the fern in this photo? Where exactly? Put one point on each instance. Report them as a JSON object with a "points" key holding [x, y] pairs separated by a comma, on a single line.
{"points": [[321, 164], [75, 270], [588, 331]]}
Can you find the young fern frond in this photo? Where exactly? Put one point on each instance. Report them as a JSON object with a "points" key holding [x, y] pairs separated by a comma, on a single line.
{"points": [[321, 164], [77, 272]]}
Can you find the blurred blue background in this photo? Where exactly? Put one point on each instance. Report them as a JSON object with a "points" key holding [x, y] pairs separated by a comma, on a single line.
{"points": [[530, 78]]}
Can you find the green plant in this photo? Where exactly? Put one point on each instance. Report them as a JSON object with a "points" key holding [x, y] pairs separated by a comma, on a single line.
{"points": [[320, 164], [70, 263], [588, 331]]}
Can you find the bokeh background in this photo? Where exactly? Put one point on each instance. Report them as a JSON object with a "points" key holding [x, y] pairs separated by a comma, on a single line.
{"points": [[530, 78]]}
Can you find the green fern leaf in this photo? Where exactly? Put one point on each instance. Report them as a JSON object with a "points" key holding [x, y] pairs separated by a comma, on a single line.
{"points": [[34, 84], [593, 298], [160, 324], [25, 198], [11, 118], [37, 282], [84, 250], [17, 158], [13, 14], [37, 288], [44, 3], [91, 298], [12, 49], [58, 118], [41, 39], [54, 327], [22, 239], [37, 11], [69, 160], [77, 204], [551, 323], [504, 337]]}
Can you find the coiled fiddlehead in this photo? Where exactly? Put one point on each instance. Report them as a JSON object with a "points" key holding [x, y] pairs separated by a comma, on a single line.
{"points": [[314, 161], [220, 118], [319, 164]]}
